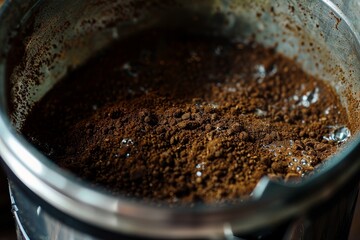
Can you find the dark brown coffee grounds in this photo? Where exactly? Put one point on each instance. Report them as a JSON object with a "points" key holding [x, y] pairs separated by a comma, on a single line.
{"points": [[186, 119]]}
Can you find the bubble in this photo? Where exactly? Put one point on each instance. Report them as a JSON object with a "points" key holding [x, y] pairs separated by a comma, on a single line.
{"points": [[200, 165], [310, 98], [295, 159], [327, 110], [340, 134], [127, 141], [260, 113], [298, 168], [303, 162], [260, 72], [198, 173]]}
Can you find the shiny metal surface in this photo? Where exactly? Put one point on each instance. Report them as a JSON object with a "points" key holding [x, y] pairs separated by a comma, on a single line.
{"points": [[337, 44]]}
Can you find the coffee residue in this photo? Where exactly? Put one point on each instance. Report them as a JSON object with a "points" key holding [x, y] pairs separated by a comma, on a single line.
{"points": [[186, 119]]}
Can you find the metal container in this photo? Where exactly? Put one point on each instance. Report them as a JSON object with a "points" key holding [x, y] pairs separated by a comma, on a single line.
{"points": [[41, 41]]}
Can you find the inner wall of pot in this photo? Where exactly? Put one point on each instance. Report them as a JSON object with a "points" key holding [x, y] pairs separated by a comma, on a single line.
{"points": [[59, 36]]}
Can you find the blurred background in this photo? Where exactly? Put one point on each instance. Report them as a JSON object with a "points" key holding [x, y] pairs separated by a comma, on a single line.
{"points": [[7, 228]]}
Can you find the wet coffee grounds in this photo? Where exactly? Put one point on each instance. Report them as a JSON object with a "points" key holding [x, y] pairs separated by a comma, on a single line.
{"points": [[186, 119]]}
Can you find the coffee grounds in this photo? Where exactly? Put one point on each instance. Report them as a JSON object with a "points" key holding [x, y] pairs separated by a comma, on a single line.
{"points": [[186, 119]]}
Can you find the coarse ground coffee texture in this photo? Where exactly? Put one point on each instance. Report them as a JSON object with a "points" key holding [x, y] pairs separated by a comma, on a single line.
{"points": [[184, 119]]}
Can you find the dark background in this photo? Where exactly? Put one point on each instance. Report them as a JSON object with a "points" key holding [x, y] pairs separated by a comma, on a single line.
{"points": [[7, 229]]}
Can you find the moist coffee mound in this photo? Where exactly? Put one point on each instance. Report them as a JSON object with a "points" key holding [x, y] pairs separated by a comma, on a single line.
{"points": [[183, 119]]}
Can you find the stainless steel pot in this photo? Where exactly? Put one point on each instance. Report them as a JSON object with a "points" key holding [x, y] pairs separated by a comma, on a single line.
{"points": [[41, 41]]}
